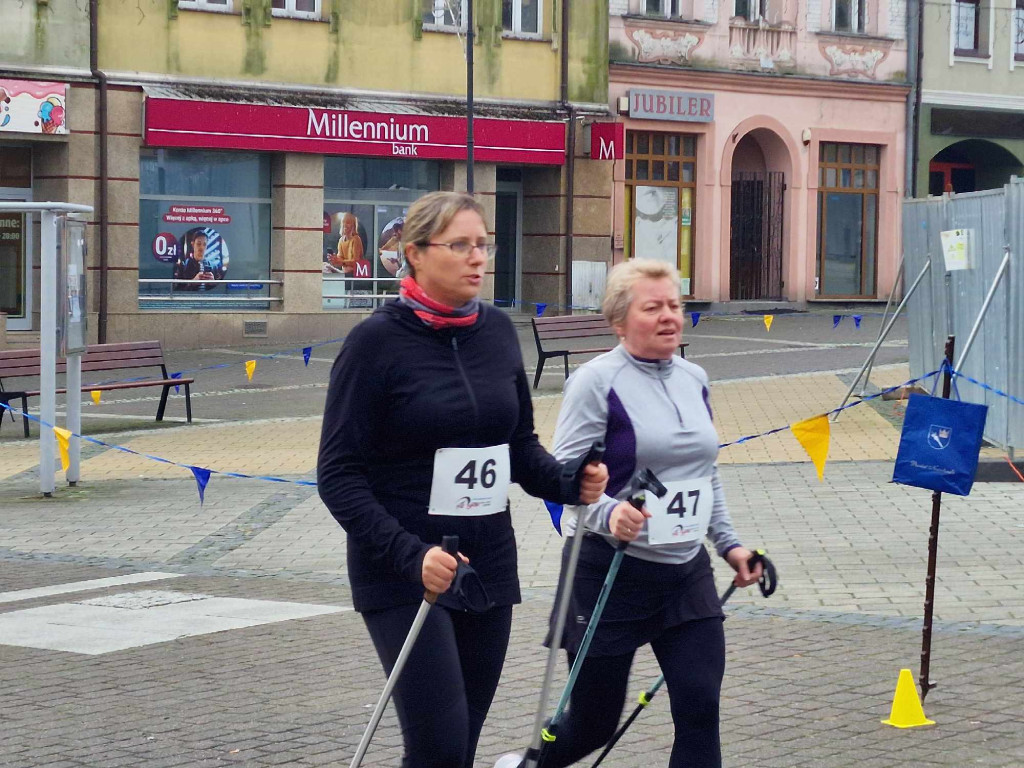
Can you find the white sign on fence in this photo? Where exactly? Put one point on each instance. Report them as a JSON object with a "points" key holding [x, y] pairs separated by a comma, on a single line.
{"points": [[956, 248]]}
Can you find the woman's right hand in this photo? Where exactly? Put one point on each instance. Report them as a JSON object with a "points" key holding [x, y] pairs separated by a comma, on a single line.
{"points": [[626, 521], [438, 570]]}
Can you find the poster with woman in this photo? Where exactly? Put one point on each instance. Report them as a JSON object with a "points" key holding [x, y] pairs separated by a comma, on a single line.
{"points": [[656, 225]]}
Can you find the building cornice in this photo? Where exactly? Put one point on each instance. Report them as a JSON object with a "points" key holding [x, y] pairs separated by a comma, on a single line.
{"points": [[744, 82], [49, 73], [973, 100], [142, 79]]}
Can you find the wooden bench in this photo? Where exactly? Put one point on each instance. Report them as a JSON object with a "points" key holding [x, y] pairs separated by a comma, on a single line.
{"points": [[552, 335], [97, 357]]}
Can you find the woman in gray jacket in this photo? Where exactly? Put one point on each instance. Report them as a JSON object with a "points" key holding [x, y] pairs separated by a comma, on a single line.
{"points": [[653, 411]]}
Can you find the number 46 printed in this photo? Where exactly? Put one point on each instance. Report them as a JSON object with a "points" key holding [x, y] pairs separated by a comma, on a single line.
{"points": [[467, 475]]}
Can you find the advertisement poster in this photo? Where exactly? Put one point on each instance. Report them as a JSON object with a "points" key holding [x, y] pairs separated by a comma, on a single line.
{"points": [[203, 248], [33, 107], [656, 224], [362, 254], [12, 263]]}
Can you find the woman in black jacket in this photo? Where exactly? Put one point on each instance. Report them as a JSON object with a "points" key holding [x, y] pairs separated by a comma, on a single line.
{"points": [[434, 371]]}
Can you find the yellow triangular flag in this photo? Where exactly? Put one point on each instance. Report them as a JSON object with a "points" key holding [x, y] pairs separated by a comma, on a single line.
{"points": [[250, 368], [768, 320], [62, 443], [95, 396], [906, 711], [813, 435]]}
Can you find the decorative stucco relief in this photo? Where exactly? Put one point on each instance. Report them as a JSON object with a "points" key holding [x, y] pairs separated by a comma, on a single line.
{"points": [[660, 47], [855, 60]]}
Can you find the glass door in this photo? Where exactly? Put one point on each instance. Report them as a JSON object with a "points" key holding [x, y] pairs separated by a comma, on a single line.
{"points": [[15, 264]]}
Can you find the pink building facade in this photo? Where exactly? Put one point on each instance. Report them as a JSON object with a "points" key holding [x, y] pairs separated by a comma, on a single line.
{"points": [[764, 144]]}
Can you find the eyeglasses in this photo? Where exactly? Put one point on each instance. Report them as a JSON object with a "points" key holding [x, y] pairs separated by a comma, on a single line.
{"points": [[464, 247]]}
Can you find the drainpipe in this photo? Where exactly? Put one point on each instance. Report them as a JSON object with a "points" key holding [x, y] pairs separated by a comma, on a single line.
{"points": [[915, 56], [570, 176], [101, 127]]}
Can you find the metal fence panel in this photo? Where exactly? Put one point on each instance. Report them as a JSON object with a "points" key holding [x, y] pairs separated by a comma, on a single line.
{"points": [[950, 302]]}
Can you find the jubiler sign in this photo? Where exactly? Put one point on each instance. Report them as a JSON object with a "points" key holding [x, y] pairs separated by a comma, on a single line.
{"points": [[266, 128], [685, 106]]}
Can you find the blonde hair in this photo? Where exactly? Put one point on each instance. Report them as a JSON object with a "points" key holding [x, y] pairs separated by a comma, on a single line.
{"points": [[431, 215], [618, 292]]}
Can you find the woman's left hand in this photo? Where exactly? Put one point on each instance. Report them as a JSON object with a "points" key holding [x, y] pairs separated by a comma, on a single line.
{"points": [[593, 483], [738, 557]]}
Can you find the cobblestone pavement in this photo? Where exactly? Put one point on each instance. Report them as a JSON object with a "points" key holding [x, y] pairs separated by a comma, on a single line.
{"points": [[810, 671]]}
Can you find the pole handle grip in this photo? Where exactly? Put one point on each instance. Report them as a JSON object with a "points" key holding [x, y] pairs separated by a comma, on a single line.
{"points": [[450, 544]]}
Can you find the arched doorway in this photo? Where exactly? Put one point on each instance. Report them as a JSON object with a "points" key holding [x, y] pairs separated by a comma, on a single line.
{"points": [[756, 240], [971, 165]]}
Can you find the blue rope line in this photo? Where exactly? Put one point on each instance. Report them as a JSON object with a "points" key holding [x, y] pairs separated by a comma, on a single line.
{"points": [[125, 449], [987, 387]]}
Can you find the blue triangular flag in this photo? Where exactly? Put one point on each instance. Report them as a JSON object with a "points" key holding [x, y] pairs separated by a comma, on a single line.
{"points": [[541, 306], [202, 478], [177, 389], [856, 320], [694, 318], [306, 352], [836, 320], [555, 510]]}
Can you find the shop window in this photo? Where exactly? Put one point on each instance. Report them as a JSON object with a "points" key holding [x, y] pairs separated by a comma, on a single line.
{"points": [[521, 17], [448, 15], [15, 167], [660, 194], [849, 16], [296, 9], [221, 6], [365, 202], [970, 28], [1018, 31], [848, 178], [204, 230]]}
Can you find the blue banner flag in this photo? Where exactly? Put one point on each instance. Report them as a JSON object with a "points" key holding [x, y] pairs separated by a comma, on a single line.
{"points": [[202, 478], [694, 319], [836, 320], [541, 306], [555, 510], [306, 352], [856, 320], [177, 389]]}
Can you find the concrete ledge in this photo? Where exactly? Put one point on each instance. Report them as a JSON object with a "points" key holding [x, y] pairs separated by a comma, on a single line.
{"points": [[998, 471]]}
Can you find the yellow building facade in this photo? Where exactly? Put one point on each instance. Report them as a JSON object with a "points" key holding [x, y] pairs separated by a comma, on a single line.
{"points": [[251, 161]]}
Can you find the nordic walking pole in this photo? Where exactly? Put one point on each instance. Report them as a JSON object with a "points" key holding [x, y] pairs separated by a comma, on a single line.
{"points": [[767, 583], [449, 544], [644, 481], [594, 456]]}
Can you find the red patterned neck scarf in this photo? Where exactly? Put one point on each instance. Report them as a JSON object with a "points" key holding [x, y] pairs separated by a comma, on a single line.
{"points": [[434, 313]]}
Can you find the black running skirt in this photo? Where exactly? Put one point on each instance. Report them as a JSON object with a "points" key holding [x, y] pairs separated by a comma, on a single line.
{"points": [[646, 599]]}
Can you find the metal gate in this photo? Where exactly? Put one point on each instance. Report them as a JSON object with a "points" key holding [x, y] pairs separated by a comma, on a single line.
{"points": [[755, 248]]}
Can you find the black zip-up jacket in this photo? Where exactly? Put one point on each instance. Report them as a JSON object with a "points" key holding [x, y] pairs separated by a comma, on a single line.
{"points": [[399, 391]]}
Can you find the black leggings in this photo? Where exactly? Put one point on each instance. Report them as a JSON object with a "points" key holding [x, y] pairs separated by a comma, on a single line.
{"points": [[692, 657], [449, 679]]}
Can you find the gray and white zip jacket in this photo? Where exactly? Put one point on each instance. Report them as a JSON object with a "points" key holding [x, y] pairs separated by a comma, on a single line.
{"points": [[654, 415]]}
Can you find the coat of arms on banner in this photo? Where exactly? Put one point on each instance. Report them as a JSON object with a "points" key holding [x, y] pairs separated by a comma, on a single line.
{"points": [[938, 436]]}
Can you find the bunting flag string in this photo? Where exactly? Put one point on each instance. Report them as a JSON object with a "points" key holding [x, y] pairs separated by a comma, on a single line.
{"points": [[836, 320], [814, 435], [768, 320], [306, 352], [856, 320], [63, 436], [177, 387], [250, 368], [694, 319], [96, 395]]}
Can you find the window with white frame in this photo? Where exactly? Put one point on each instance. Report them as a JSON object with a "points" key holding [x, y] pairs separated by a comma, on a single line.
{"points": [[970, 28], [751, 10], [296, 9], [669, 9], [1018, 31], [849, 16], [444, 14], [521, 17], [221, 6]]}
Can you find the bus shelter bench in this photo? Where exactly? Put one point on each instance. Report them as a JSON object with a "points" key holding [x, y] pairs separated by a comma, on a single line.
{"points": [[97, 357], [554, 334]]}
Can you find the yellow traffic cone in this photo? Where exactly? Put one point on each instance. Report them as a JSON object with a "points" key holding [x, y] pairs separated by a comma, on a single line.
{"points": [[907, 711]]}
